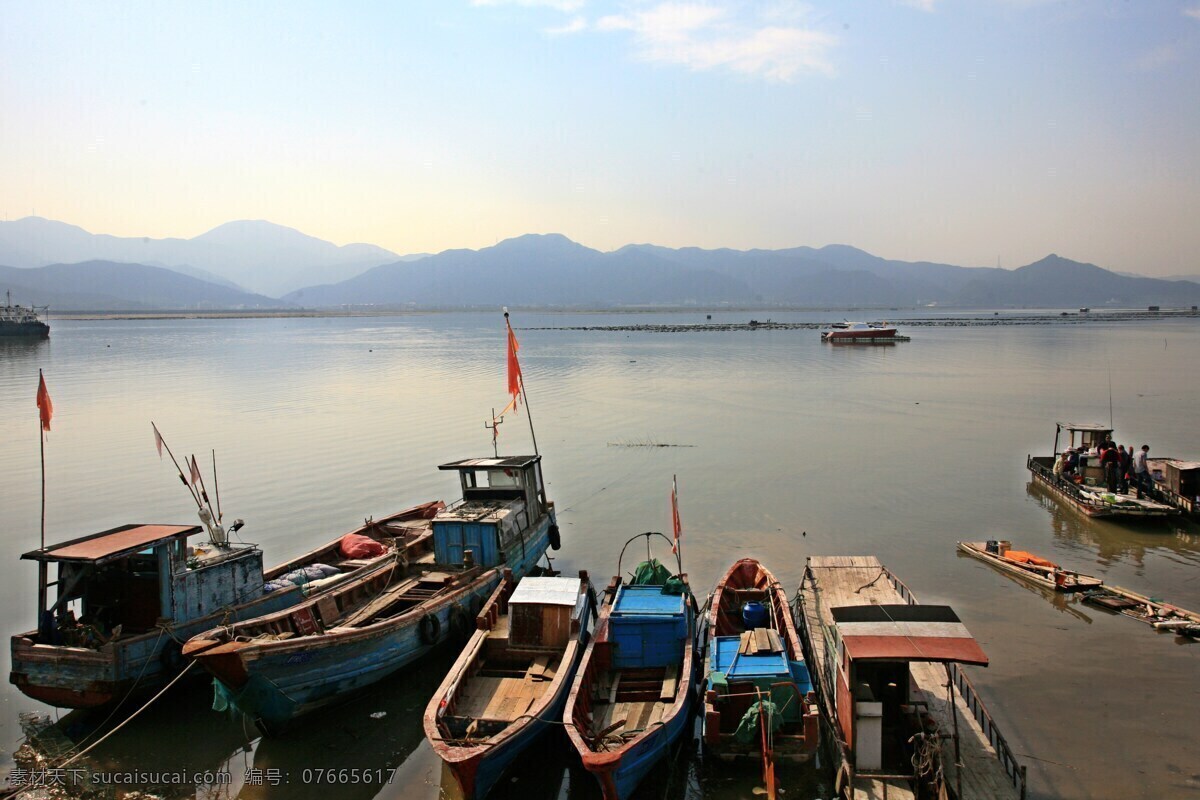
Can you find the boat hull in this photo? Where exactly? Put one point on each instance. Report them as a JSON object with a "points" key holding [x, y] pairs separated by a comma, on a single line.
{"points": [[299, 676], [25, 330], [1041, 469], [851, 334]]}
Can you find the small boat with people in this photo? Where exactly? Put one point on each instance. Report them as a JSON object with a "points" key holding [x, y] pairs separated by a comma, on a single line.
{"points": [[277, 667], [1080, 477], [859, 332], [510, 683], [23, 321], [125, 599], [635, 690], [905, 719], [758, 696]]}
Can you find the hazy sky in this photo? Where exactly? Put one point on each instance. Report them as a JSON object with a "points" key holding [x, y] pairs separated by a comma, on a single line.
{"points": [[962, 131]]}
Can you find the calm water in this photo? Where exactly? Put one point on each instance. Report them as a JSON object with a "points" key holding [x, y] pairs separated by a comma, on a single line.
{"points": [[787, 447]]}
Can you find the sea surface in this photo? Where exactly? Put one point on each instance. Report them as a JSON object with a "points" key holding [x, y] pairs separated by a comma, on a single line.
{"points": [[784, 447]]}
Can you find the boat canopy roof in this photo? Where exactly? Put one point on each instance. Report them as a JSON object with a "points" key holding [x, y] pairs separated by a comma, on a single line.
{"points": [[546, 591], [1086, 426], [905, 632], [112, 544], [505, 462]]}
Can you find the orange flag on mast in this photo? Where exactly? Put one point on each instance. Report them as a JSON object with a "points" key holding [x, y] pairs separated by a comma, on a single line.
{"points": [[45, 407], [514, 367], [676, 525]]}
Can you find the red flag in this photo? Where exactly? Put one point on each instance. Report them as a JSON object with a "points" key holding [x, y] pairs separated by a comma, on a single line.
{"points": [[158, 442], [195, 472], [45, 407], [675, 523], [514, 367]]}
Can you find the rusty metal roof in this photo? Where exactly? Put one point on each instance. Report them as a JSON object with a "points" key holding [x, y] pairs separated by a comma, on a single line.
{"points": [[907, 633], [112, 544]]}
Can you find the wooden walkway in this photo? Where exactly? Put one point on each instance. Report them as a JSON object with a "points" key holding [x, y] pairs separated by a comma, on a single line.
{"points": [[834, 581]]}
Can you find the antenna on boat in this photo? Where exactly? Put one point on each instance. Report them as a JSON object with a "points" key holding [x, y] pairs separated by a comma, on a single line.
{"points": [[217, 488], [1110, 414], [495, 429]]}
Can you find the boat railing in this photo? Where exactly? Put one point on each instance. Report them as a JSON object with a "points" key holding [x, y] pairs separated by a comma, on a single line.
{"points": [[1014, 770], [1062, 484]]}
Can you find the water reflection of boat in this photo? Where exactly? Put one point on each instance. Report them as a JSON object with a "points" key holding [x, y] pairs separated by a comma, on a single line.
{"points": [[1062, 602], [283, 665]]}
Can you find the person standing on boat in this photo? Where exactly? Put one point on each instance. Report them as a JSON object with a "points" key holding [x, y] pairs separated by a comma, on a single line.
{"points": [[1124, 468], [1109, 459], [1141, 471], [1072, 461], [1060, 466]]}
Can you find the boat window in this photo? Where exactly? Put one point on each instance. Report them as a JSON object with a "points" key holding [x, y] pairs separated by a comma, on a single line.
{"points": [[503, 478]]}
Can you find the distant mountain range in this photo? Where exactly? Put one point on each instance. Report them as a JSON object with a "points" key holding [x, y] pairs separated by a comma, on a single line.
{"points": [[551, 270], [262, 256], [535, 270]]}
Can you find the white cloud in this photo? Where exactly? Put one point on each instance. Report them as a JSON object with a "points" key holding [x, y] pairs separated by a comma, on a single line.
{"points": [[574, 26], [1159, 57], [565, 6], [703, 37], [1194, 13], [921, 5]]}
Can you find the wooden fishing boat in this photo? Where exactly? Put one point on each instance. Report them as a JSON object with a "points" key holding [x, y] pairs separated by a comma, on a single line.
{"points": [[883, 666], [634, 693], [126, 598], [758, 698], [511, 681], [1029, 567], [1086, 491], [277, 667]]}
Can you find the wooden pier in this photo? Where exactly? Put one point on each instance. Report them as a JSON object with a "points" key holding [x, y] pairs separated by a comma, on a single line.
{"points": [[976, 761]]}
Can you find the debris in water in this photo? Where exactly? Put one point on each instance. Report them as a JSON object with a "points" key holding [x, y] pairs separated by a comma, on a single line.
{"points": [[379, 715]]}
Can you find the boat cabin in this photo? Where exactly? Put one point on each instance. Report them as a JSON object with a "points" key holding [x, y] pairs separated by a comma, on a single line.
{"points": [[502, 499], [1091, 435], [127, 580], [878, 648]]}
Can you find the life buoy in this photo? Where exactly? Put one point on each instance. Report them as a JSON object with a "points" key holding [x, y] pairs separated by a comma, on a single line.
{"points": [[460, 622], [429, 629], [555, 537]]}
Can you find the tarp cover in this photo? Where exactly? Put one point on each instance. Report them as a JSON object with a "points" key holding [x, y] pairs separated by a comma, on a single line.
{"points": [[355, 545]]}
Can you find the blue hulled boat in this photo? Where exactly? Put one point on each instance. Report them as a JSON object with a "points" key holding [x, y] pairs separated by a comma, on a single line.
{"points": [[277, 667], [635, 692]]}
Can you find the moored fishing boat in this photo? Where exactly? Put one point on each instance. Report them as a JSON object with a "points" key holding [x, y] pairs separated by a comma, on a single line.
{"points": [[1084, 489], [23, 321], [1029, 567], [126, 598], [758, 698], [282, 665], [511, 681], [905, 719], [634, 692]]}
